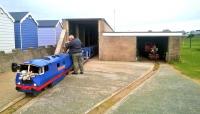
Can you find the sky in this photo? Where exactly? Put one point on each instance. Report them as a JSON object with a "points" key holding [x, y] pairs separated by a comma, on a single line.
{"points": [[122, 15]]}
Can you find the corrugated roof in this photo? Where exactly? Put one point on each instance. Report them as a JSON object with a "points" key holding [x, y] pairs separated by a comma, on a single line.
{"points": [[18, 16], [47, 23], [88, 19]]}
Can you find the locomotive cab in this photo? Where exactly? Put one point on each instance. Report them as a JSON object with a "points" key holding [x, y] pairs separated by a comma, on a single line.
{"points": [[27, 72], [27, 68]]}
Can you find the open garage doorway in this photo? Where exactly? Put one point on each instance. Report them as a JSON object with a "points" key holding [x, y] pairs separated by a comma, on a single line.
{"points": [[146, 47], [86, 30]]}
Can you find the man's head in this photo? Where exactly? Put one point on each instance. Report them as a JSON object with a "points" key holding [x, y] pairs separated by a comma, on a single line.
{"points": [[71, 37]]}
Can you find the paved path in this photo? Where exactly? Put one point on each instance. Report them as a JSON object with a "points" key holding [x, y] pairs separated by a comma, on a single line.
{"points": [[166, 93], [76, 94], [7, 89]]}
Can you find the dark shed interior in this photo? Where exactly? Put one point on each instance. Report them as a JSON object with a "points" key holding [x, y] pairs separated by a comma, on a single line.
{"points": [[86, 30], [161, 44]]}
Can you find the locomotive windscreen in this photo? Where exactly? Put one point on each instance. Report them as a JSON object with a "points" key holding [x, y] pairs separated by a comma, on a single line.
{"points": [[23, 67], [33, 69]]}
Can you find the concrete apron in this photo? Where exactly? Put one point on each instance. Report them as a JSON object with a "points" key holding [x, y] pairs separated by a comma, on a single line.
{"points": [[167, 92], [8, 94], [78, 93], [122, 93]]}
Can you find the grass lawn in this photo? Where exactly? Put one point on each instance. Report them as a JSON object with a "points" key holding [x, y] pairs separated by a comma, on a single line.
{"points": [[190, 58]]}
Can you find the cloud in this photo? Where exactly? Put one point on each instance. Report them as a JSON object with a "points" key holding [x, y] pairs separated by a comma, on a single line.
{"points": [[129, 14]]}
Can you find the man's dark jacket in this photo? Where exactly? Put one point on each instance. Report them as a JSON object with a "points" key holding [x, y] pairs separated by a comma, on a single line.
{"points": [[74, 46]]}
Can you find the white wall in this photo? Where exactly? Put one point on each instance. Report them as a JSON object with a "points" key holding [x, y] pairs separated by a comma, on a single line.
{"points": [[7, 39]]}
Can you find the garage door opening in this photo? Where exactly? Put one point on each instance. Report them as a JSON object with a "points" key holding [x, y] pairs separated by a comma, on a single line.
{"points": [[147, 46], [86, 30]]}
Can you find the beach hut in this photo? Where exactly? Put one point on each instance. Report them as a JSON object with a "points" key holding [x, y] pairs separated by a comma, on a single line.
{"points": [[26, 30], [49, 32], [7, 39]]}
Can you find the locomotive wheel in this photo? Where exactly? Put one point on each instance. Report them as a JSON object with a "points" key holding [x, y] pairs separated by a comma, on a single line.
{"points": [[33, 94], [67, 73], [50, 85], [28, 94]]}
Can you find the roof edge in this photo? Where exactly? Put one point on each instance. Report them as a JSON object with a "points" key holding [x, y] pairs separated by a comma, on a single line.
{"points": [[28, 14], [58, 22], [7, 13], [143, 34], [107, 24], [90, 19]]}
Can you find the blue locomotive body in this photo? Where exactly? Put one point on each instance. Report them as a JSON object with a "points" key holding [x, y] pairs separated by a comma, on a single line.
{"points": [[35, 75]]}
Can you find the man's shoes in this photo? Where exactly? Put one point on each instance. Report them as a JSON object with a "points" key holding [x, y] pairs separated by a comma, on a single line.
{"points": [[74, 73], [81, 73]]}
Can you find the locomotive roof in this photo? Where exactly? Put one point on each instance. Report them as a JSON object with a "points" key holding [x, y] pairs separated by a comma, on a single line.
{"points": [[45, 60]]}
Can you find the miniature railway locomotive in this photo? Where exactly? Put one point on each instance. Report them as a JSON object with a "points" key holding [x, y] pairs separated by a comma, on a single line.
{"points": [[151, 51], [35, 75]]}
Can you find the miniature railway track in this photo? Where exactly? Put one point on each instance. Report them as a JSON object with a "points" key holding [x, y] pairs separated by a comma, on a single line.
{"points": [[19, 102], [13, 106], [107, 103], [99, 108]]}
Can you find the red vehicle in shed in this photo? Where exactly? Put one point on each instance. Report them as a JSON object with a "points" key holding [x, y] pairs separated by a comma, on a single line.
{"points": [[151, 50]]}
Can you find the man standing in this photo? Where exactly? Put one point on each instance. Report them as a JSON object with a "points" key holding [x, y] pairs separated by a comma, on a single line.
{"points": [[74, 46]]}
